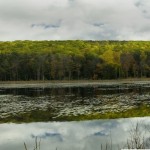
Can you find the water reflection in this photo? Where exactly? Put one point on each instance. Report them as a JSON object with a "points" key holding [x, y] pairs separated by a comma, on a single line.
{"points": [[85, 135], [76, 91]]}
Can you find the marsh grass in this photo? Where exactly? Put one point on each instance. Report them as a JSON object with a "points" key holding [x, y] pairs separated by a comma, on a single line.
{"points": [[37, 144], [139, 111]]}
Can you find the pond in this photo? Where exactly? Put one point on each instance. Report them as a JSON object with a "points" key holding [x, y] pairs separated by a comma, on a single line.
{"points": [[51, 103], [56, 115]]}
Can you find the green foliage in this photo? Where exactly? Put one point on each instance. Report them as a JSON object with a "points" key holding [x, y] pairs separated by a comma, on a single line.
{"points": [[59, 60]]}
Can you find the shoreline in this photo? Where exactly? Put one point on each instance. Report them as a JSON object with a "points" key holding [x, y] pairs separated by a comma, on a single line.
{"points": [[74, 83]]}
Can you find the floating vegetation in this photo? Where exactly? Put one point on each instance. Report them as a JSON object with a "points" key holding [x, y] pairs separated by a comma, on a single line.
{"points": [[76, 103]]}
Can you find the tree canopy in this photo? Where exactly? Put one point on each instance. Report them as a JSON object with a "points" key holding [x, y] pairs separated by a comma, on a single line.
{"points": [[68, 60]]}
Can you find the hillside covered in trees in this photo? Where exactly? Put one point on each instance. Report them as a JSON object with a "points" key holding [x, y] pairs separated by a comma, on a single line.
{"points": [[68, 60]]}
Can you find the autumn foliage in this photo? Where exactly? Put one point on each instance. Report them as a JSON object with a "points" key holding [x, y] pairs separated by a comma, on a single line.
{"points": [[68, 60]]}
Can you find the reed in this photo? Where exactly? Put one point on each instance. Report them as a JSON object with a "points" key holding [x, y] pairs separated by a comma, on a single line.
{"points": [[37, 144]]}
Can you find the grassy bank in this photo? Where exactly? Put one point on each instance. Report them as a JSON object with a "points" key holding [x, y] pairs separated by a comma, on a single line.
{"points": [[74, 81]]}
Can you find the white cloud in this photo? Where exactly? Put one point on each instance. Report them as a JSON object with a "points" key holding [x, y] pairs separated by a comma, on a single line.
{"points": [[74, 19]]}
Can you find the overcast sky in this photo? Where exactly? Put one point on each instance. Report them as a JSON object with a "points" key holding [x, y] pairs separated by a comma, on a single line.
{"points": [[74, 19]]}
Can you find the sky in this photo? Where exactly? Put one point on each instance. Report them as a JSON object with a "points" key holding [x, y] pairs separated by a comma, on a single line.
{"points": [[74, 20]]}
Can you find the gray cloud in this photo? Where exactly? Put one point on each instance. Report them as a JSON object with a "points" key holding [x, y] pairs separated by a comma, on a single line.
{"points": [[80, 19], [138, 3], [46, 26], [98, 24]]}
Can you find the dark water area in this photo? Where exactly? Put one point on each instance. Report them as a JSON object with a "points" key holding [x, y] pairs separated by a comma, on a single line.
{"points": [[77, 91]]}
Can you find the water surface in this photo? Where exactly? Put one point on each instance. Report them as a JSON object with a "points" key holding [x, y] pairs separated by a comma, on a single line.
{"points": [[81, 135], [52, 103], [41, 106]]}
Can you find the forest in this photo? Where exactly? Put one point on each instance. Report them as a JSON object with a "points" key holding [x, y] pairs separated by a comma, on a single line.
{"points": [[74, 60]]}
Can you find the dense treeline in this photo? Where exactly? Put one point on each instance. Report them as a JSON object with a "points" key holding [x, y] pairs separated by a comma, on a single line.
{"points": [[63, 60]]}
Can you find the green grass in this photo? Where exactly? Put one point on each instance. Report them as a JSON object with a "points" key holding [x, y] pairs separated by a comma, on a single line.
{"points": [[39, 115], [135, 112]]}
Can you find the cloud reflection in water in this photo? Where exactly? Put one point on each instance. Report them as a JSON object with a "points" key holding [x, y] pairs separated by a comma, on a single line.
{"points": [[67, 135]]}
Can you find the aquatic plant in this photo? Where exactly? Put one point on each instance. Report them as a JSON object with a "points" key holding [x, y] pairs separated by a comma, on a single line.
{"points": [[37, 144]]}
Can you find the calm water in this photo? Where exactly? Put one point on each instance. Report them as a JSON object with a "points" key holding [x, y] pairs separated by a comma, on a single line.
{"points": [[47, 104], [85, 135], [69, 101]]}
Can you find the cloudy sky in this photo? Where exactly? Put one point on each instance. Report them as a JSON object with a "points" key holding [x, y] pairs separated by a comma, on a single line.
{"points": [[74, 19]]}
